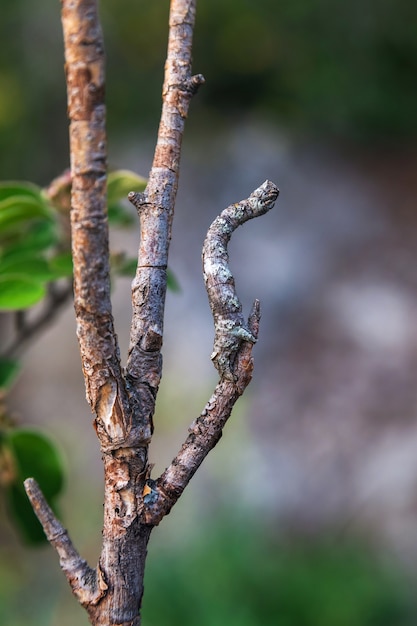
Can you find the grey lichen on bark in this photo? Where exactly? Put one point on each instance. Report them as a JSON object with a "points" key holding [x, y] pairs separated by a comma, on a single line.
{"points": [[123, 403], [231, 329], [232, 353]]}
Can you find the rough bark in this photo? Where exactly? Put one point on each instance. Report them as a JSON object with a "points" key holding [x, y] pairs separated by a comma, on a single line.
{"points": [[156, 210], [232, 353], [123, 402], [229, 325]]}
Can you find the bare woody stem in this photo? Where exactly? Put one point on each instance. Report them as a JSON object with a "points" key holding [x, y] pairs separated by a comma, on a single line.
{"points": [[86, 583], [232, 353], [84, 56], [156, 210], [123, 405]]}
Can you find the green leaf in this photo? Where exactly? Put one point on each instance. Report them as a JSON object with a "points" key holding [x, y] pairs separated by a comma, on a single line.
{"points": [[16, 209], [21, 510], [19, 188], [121, 182], [172, 282], [34, 236], [19, 292], [37, 456], [34, 455], [33, 267], [8, 372], [119, 215], [61, 265], [124, 266]]}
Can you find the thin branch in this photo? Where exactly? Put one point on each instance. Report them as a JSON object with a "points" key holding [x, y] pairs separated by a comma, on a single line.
{"points": [[156, 209], [232, 354], [27, 331], [87, 585], [84, 55]]}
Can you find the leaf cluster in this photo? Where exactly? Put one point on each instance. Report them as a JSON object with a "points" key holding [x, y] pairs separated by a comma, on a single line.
{"points": [[35, 258], [35, 248]]}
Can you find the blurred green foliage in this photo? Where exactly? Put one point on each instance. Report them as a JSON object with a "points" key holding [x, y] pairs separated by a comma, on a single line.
{"points": [[242, 576], [317, 66], [328, 67], [35, 258], [237, 574], [30, 454]]}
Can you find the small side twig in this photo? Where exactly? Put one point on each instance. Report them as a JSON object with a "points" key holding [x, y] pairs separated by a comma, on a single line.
{"points": [[87, 584]]}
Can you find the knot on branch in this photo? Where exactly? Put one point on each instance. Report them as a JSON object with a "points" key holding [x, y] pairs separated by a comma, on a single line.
{"points": [[192, 85], [138, 199], [231, 329]]}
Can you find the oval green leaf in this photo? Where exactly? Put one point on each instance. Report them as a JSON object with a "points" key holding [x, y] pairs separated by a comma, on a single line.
{"points": [[38, 457], [172, 282], [16, 209], [34, 455], [61, 265], [119, 215], [31, 266], [121, 182], [19, 188], [19, 292], [25, 519], [9, 369], [39, 235]]}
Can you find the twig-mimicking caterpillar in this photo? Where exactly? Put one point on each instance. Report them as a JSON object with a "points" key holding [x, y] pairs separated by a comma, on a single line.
{"points": [[230, 326]]}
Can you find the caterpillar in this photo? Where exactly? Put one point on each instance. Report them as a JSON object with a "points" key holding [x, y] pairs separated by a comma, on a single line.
{"points": [[230, 326]]}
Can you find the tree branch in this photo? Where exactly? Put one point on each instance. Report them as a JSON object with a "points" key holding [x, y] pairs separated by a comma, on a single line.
{"points": [[87, 585], [156, 209], [84, 55], [28, 330], [232, 354], [229, 325]]}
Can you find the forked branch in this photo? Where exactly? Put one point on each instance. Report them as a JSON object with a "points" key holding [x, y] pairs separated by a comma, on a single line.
{"points": [[232, 353], [124, 404]]}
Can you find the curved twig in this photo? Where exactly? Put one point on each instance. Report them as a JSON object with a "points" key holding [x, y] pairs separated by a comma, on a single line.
{"points": [[229, 324], [232, 355], [87, 584]]}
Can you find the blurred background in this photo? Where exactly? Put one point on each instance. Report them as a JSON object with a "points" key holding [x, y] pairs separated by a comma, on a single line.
{"points": [[306, 513]]}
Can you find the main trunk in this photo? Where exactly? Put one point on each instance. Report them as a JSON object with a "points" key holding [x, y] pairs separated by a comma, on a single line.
{"points": [[125, 539], [123, 560]]}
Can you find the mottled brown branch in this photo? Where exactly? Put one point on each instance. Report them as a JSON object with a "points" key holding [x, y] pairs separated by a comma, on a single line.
{"points": [[204, 433], [123, 443], [84, 56], [85, 583], [124, 404], [232, 353], [156, 209]]}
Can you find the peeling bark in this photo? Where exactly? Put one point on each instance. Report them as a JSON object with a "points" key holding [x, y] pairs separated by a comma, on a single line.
{"points": [[123, 403], [84, 65]]}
